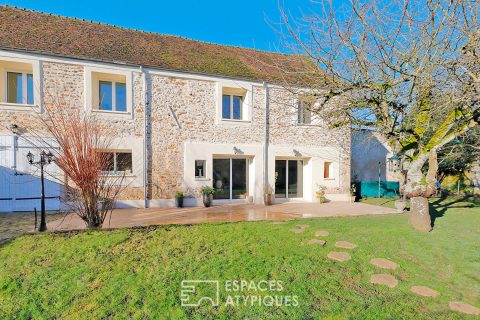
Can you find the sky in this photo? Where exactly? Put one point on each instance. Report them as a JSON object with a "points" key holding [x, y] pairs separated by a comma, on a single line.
{"points": [[240, 23]]}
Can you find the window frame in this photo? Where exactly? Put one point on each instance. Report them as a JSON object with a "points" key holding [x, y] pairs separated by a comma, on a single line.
{"points": [[115, 166], [25, 75], [245, 90], [93, 74], [301, 110], [114, 95], [231, 106], [204, 169], [329, 171]]}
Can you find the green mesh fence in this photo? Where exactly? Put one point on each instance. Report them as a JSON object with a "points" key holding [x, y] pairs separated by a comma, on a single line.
{"points": [[370, 189]]}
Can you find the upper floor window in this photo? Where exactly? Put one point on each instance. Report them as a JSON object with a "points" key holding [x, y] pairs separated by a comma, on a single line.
{"points": [[112, 96], [232, 107], [234, 103], [19, 87], [18, 80], [304, 112], [109, 91]]}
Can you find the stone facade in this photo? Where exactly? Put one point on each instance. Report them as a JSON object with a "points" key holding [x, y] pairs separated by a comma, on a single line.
{"points": [[182, 109]]}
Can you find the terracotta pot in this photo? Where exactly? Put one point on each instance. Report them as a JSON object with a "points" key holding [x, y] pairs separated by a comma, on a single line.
{"points": [[268, 199], [207, 200]]}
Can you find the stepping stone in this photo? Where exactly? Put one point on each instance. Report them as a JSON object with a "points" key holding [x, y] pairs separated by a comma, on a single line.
{"points": [[463, 307], [345, 245], [339, 256], [317, 241], [424, 291], [321, 233], [386, 279], [279, 222], [297, 230], [303, 226], [384, 263]]}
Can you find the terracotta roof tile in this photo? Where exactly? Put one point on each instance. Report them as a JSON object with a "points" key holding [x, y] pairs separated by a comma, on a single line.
{"points": [[85, 39]]}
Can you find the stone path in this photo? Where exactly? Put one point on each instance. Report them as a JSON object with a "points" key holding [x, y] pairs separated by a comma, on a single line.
{"points": [[345, 245], [464, 307], [384, 263], [297, 230], [385, 279], [300, 228], [424, 291], [382, 279], [321, 233], [317, 241], [339, 256]]}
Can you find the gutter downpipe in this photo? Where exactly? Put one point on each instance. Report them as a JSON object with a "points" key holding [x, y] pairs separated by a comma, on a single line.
{"points": [[145, 149], [266, 141]]}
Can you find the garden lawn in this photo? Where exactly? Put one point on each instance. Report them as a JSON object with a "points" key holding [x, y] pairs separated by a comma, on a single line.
{"points": [[137, 273]]}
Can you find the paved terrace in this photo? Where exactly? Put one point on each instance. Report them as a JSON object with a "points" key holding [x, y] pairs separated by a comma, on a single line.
{"points": [[223, 213]]}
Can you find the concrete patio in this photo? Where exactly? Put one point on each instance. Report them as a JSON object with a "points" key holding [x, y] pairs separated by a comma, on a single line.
{"points": [[223, 213]]}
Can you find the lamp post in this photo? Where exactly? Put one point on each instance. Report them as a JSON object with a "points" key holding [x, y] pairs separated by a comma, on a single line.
{"points": [[45, 159]]}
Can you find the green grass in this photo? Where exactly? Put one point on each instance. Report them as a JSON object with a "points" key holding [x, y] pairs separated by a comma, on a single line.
{"points": [[384, 202], [136, 273]]}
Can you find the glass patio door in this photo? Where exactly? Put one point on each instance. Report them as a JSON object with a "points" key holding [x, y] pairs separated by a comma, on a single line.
{"points": [[230, 178], [288, 179]]}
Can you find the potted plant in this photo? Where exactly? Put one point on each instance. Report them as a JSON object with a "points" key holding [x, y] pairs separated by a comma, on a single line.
{"points": [[179, 199], [321, 194], [207, 195], [400, 205], [268, 196]]}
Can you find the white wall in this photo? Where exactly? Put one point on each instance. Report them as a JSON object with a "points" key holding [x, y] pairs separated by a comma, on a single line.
{"points": [[313, 158], [368, 149]]}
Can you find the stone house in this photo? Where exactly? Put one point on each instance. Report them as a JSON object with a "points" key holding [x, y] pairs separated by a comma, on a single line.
{"points": [[184, 113]]}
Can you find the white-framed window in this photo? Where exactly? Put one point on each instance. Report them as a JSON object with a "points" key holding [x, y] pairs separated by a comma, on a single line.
{"points": [[19, 87], [232, 107], [200, 168], [234, 103], [327, 170], [109, 92], [19, 84], [118, 162], [304, 112], [112, 96]]}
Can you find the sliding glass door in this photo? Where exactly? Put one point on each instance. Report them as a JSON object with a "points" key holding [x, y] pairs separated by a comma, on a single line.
{"points": [[288, 178], [230, 178]]}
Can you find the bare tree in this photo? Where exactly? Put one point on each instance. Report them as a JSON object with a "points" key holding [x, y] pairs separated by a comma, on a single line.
{"points": [[79, 142], [409, 70]]}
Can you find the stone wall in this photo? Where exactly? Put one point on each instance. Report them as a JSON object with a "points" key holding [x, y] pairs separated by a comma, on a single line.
{"points": [[192, 103]]}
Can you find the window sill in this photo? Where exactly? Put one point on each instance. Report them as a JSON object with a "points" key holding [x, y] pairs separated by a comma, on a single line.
{"points": [[306, 125], [118, 175], [114, 114], [202, 179], [17, 106], [328, 178], [235, 122]]}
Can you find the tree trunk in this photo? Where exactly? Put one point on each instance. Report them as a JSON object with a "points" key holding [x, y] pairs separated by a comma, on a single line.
{"points": [[431, 177], [416, 181]]}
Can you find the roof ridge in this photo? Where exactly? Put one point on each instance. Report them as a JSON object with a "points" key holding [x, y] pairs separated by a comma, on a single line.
{"points": [[147, 32]]}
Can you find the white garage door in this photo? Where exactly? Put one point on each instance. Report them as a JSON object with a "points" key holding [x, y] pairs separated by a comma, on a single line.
{"points": [[20, 187]]}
